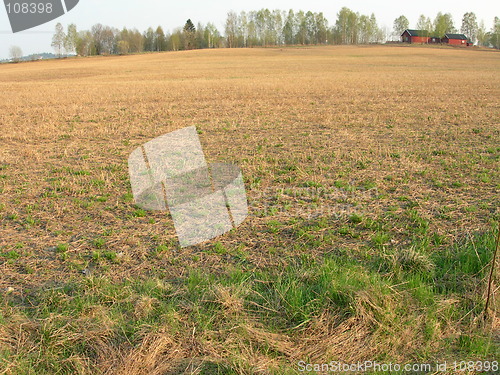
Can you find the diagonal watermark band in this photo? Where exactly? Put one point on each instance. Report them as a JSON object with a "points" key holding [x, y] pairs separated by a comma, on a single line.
{"points": [[205, 201]]}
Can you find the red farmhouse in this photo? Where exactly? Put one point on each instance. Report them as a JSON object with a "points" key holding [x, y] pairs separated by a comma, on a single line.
{"points": [[415, 36], [455, 39]]}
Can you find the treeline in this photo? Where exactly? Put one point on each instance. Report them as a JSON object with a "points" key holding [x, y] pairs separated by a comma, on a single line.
{"points": [[105, 40], [259, 28], [247, 29], [271, 28]]}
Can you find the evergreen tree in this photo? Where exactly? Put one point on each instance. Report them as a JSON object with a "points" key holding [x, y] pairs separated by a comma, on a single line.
{"points": [[189, 32]]}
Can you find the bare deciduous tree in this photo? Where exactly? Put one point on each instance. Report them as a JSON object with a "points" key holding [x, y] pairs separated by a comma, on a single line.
{"points": [[71, 39], [470, 26], [15, 53], [400, 25], [59, 39]]}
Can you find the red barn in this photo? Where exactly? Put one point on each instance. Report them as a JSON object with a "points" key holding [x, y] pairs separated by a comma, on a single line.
{"points": [[455, 39], [415, 36]]}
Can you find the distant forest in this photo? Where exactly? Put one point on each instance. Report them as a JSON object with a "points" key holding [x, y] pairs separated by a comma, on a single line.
{"points": [[264, 28]]}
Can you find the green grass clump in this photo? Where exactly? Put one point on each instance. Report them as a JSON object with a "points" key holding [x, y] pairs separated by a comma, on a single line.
{"points": [[140, 213], [99, 242], [11, 255], [355, 218], [62, 247]]}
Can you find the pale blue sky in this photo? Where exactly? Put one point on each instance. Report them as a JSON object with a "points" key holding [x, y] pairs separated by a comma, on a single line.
{"points": [[171, 14]]}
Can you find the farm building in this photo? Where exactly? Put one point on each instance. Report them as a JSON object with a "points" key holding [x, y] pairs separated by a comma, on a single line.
{"points": [[422, 36], [455, 39], [415, 36]]}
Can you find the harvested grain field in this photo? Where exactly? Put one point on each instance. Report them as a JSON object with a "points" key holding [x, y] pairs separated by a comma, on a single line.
{"points": [[372, 178]]}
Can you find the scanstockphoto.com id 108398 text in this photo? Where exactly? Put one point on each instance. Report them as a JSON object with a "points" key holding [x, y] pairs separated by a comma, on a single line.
{"points": [[487, 367]]}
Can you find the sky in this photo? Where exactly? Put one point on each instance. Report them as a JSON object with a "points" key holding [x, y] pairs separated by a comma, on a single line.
{"points": [[141, 14]]}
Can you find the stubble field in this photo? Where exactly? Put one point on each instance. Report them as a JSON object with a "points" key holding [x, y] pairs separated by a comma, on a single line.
{"points": [[372, 177]]}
